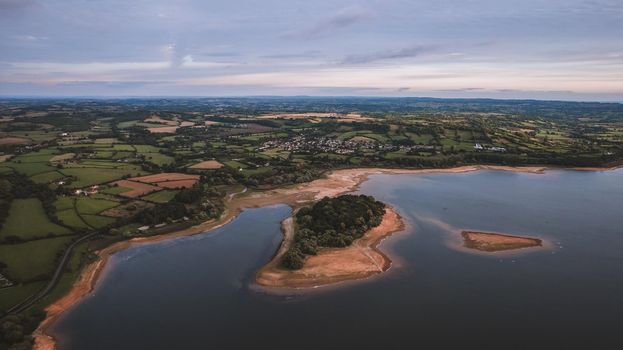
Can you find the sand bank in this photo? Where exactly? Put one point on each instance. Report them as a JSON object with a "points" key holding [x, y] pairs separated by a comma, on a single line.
{"points": [[331, 265], [494, 242]]}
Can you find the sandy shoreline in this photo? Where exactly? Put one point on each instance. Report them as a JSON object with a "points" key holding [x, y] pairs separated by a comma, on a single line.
{"points": [[495, 242], [334, 183], [360, 260]]}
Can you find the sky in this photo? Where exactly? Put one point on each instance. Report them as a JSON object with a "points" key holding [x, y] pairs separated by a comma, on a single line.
{"points": [[541, 49]]}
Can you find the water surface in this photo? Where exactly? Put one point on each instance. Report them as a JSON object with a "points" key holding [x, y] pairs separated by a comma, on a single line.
{"points": [[197, 292]]}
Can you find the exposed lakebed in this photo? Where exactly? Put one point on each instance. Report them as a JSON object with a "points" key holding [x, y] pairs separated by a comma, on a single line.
{"points": [[199, 291]]}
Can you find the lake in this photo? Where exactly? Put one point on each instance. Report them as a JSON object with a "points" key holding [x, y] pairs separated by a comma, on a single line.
{"points": [[198, 293]]}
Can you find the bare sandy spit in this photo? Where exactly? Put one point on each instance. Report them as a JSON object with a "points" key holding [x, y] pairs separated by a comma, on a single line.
{"points": [[494, 242], [333, 184], [360, 260]]}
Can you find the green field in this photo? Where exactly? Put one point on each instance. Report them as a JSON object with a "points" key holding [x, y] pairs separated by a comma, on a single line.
{"points": [[97, 221], [29, 169], [235, 164], [13, 295], [87, 205], [115, 190], [29, 260], [28, 220], [63, 203], [160, 196], [71, 218], [36, 157], [93, 176], [158, 158], [48, 177]]}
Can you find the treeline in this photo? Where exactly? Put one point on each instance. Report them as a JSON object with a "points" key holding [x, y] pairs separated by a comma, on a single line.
{"points": [[332, 222]]}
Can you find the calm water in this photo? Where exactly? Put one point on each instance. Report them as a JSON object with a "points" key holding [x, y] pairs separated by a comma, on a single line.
{"points": [[197, 292]]}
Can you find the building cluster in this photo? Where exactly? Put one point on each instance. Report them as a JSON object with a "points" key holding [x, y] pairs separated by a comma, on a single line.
{"points": [[479, 147], [333, 145], [4, 282], [86, 191]]}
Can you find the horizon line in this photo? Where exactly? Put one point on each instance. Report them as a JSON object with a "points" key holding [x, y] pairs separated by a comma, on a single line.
{"points": [[128, 97]]}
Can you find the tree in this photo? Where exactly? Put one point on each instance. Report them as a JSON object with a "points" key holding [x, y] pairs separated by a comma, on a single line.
{"points": [[293, 259]]}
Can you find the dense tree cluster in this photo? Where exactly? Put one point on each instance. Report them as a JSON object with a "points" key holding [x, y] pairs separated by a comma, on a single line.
{"points": [[332, 222], [200, 202], [285, 175], [162, 212], [15, 330]]}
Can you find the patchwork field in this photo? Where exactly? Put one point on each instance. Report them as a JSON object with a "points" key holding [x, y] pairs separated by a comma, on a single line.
{"points": [[207, 164], [136, 189]]}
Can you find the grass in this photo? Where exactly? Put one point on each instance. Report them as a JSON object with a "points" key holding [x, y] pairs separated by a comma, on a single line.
{"points": [[158, 158], [104, 154], [37, 157], [28, 220], [29, 260], [235, 164], [420, 139], [93, 176], [122, 147], [37, 136], [256, 171], [127, 124], [87, 205], [97, 221], [116, 190], [129, 228], [71, 218], [106, 141], [146, 149], [160, 196], [63, 203], [48, 177], [29, 169], [13, 295], [378, 137]]}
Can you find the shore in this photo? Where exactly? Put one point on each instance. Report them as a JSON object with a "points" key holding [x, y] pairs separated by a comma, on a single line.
{"points": [[334, 183], [360, 260]]}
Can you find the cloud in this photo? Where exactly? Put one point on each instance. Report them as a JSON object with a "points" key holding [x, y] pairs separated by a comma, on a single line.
{"points": [[459, 89], [189, 62], [6, 5], [344, 18], [407, 52], [85, 68]]}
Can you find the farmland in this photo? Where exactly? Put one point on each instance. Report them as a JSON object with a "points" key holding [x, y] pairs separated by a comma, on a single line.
{"points": [[107, 168]]}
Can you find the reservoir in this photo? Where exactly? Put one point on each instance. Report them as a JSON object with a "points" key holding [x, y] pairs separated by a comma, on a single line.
{"points": [[198, 292]]}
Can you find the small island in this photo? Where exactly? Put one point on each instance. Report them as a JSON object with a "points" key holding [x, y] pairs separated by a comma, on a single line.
{"points": [[331, 241], [494, 242]]}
